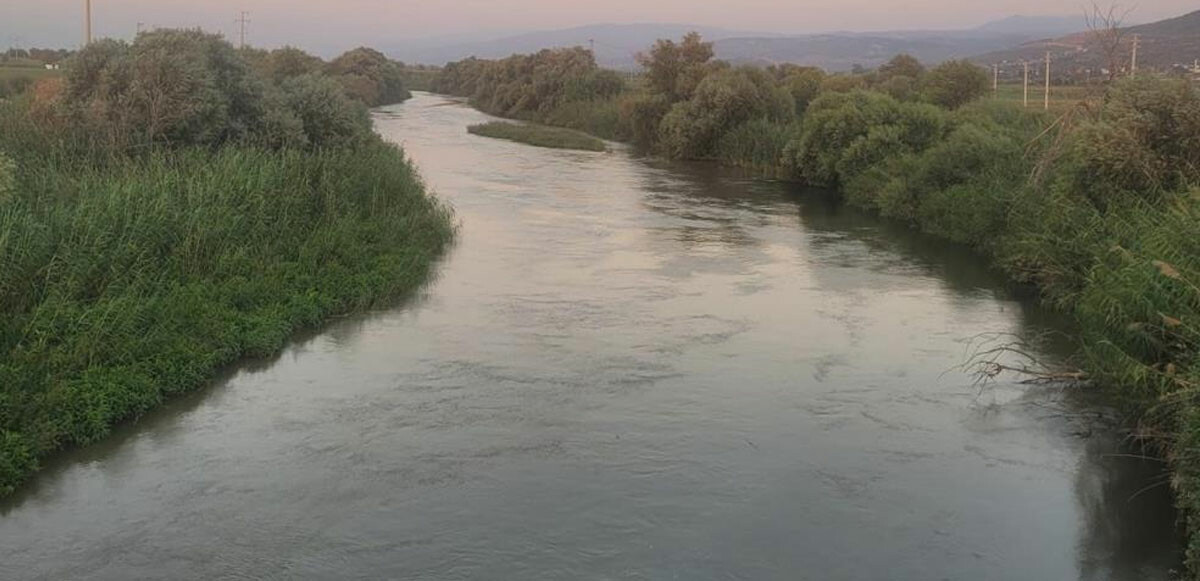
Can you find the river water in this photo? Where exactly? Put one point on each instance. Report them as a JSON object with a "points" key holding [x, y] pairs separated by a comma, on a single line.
{"points": [[623, 371]]}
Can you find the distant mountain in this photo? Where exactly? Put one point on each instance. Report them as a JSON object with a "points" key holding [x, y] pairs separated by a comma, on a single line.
{"points": [[1163, 44], [615, 44], [842, 50], [1034, 26]]}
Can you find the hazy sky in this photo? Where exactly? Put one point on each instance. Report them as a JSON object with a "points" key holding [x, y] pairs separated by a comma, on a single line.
{"points": [[330, 24]]}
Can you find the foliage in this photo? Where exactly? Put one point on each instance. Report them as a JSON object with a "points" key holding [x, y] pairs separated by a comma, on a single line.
{"points": [[326, 114], [185, 87], [527, 86], [130, 274], [286, 63], [901, 65], [955, 83], [1146, 142], [723, 100], [676, 69], [845, 133], [369, 77]]}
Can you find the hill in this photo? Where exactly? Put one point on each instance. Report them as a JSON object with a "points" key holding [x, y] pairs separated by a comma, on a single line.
{"points": [[1163, 45], [616, 44]]}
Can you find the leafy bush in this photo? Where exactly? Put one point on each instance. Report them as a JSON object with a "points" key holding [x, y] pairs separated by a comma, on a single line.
{"points": [[846, 133], [722, 101], [177, 86], [954, 83], [1145, 143], [369, 77], [325, 112]]}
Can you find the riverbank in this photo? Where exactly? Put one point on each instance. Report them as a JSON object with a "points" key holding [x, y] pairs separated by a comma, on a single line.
{"points": [[539, 135], [1093, 207], [138, 260]]}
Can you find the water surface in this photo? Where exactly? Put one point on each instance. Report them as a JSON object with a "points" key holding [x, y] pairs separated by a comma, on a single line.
{"points": [[623, 371]]}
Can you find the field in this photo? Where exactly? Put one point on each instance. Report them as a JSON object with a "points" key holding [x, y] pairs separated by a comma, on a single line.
{"points": [[1062, 97], [7, 72]]}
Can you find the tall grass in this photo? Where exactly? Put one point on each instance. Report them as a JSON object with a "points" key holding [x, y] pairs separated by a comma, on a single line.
{"points": [[127, 278]]}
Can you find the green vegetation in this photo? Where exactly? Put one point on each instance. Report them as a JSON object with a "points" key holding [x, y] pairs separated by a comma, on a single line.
{"points": [[420, 77], [16, 80], [561, 87], [165, 211], [1095, 203], [21, 68], [539, 135]]}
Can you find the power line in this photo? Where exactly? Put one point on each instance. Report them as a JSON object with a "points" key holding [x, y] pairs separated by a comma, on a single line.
{"points": [[1133, 64], [87, 21], [1026, 101], [243, 21], [1047, 103]]}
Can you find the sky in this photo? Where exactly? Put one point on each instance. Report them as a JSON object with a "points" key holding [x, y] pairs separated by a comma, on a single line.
{"points": [[328, 25]]}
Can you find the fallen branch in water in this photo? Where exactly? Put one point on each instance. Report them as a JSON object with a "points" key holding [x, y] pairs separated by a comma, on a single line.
{"points": [[995, 354]]}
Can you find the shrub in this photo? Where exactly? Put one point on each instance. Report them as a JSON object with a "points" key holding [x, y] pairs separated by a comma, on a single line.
{"points": [[325, 112], [722, 101], [954, 83], [370, 77], [1144, 143], [846, 133], [177, 86]]}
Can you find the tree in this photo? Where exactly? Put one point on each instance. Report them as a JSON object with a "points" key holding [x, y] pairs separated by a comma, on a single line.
{"points": [[722, 101], [901, 65], [675, 70], [955, 83], [804, 83], [374, 65], [1106, 36], [182, 86], [289, 62]]}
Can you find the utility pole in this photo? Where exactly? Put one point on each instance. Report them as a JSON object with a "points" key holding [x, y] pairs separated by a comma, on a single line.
{"points": [[87, 22], [1026, 102], [1133, 64], [995, 79], [243, 21], [1047, 105]]}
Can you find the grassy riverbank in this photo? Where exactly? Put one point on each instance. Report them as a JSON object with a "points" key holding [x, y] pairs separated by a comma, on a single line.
{"points": [[136, 258], [539, 135], [1095, 203]]}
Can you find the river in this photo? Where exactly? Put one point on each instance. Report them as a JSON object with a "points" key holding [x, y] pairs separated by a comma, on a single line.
{"points": [[623, 370]]}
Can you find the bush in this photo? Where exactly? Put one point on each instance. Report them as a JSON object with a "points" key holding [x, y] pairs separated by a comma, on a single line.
{"points": [[844, 134], [757, 144], [1145, 143], [722, 101], [325, 112], [955, 83]]}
